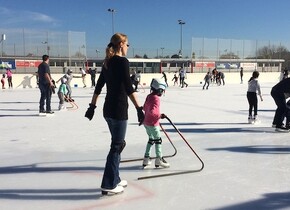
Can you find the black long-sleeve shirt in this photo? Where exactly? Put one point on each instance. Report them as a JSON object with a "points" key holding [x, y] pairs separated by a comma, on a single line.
{"points": [[117, 79]]}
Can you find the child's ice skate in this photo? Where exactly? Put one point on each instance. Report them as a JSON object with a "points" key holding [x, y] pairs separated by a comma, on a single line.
{"points": [[146, 162], [256, 120], [250, 120], [160, 162], [61, 107]]}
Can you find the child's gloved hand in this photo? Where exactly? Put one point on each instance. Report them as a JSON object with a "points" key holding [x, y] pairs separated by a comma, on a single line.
{"points": [[162, 116], [90, 112]]}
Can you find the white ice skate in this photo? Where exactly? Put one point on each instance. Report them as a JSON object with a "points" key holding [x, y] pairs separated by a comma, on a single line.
{"points": [[250, 120], [146, 162], [117, 190], [61, 107], [123, 183], [160, 162], [256, 120]]}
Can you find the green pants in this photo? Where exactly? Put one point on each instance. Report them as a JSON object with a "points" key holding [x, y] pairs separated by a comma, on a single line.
{"points": [[153, 133]]}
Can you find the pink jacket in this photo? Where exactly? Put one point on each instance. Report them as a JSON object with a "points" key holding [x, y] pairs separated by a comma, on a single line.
{"points": [[9, 73], [152, 110]]}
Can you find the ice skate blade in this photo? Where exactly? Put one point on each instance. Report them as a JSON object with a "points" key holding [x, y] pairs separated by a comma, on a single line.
{"points": [[49, 115], [116, 190], [159, 166], [106, 193], [145, 167]]}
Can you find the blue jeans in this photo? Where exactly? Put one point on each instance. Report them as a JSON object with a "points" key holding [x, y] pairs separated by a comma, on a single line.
{"points": [[45, 96], [111, 173]]}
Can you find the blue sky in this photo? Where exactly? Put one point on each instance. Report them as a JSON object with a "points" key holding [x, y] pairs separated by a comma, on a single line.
{"points": [[153, 23]]}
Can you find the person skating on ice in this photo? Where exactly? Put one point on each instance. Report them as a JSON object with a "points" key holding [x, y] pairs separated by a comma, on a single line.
{"points": [[253, 89], [62, 93], [151, 123], [278, 93], [116, 77], [206, 80]]}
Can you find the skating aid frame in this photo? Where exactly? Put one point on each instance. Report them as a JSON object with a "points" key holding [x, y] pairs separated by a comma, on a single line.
{"points": [[181, 172], [165, 156]]}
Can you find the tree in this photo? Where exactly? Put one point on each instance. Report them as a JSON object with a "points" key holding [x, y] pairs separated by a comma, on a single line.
{"points": [[193, 55], [229, 55]]}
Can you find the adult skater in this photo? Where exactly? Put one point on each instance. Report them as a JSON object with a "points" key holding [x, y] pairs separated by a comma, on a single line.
{"points": [[45, 85], [115, 75], [253, 89], [278, 93], [151, 123]]}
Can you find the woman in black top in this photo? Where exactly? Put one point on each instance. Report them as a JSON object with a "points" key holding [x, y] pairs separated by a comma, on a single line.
{"points": [[115, 74]]}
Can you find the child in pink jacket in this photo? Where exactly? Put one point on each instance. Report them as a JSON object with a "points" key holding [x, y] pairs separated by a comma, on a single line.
{"points": [[151, 123]]}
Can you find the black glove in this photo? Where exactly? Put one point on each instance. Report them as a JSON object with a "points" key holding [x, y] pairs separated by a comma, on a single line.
{"points": [[162, 116], [140, 115], [90, 112], [53, 87]]}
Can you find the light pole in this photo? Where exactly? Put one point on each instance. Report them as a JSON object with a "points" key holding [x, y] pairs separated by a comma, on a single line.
{"points": [[162, 48], [112, 11], [47, 47], [97, 51], [3, 38], [180, 22]]}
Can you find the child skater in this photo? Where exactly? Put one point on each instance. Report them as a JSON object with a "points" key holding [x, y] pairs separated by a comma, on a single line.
{"points": [[151, 123], [253, 89], [206, 80], [62, 93], [3, 81], [175, 79]]}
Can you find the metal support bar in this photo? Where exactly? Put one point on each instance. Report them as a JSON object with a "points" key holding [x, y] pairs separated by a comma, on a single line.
{"points": [[181, 172]]}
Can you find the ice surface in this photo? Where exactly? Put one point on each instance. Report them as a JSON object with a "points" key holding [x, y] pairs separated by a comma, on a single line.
{"points": [[56, 163]]}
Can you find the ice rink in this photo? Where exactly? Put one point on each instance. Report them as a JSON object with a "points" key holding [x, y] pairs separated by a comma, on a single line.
{"points": [[56, 162]]}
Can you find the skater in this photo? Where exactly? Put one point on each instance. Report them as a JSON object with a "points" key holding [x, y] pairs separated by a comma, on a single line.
{"points": [[182, 76], [278, 93], [93, 72], [175, 79], [241, 74], [62, 93], [83, 76], [3, 81], [253, 90], [9, 78], [45, 85], [206, 80], [288, 114], [135, 80], [115, 75], [151, 123], [68, 76], [165, 78]]}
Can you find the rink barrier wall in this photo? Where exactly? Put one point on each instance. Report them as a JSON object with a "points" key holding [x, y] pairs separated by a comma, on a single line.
{"points": [[193, 79]]}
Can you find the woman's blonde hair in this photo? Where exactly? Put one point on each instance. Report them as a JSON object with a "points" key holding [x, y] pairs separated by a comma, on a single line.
{"points": [[114, 46]]}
